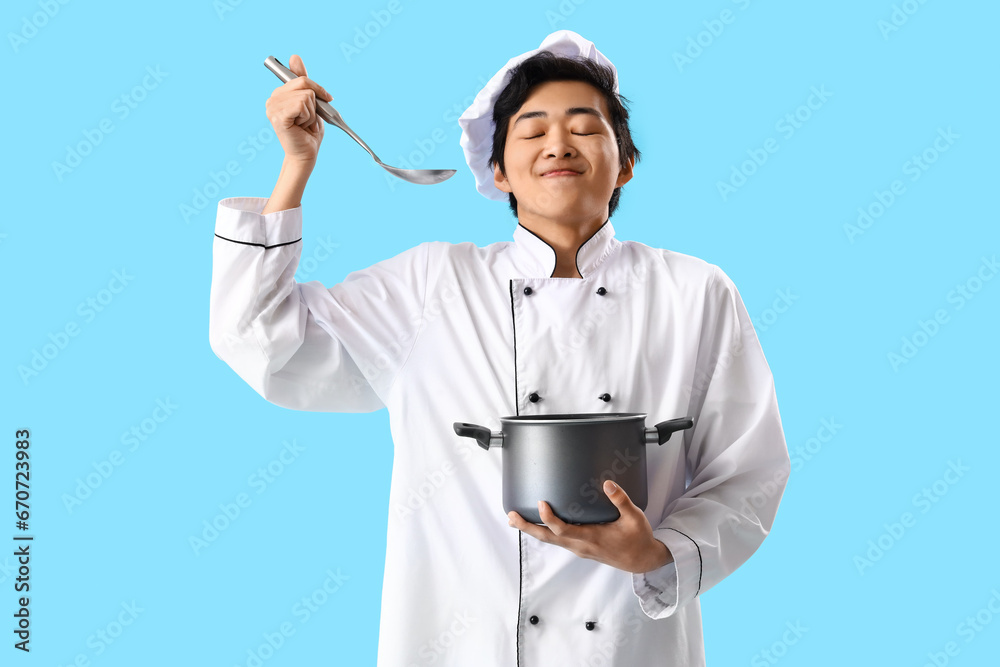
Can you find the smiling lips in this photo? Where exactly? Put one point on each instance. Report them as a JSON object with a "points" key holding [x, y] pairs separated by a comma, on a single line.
{"points": [[562, 172]]}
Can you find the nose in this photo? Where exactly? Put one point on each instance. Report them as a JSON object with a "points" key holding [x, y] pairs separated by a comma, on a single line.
{"points": [[558, 143]]}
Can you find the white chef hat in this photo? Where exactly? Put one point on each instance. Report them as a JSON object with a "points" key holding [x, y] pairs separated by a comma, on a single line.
{"points": [[477, 121]]}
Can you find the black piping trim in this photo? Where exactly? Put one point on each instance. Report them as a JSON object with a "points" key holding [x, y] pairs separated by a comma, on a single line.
{"points": [[700, 564], [520, 578], [555, 261], [520, 555], [276, 245], [576, 259], [513, 324]]}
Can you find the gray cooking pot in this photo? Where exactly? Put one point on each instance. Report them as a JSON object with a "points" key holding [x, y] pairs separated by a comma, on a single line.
{"points": [[564, 459]]}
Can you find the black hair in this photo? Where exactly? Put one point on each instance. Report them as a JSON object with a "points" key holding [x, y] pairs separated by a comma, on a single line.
{"points": [[546, 66]]}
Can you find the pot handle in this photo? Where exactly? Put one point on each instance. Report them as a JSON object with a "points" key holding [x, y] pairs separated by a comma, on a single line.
{"points": [[483, 435], [661, 432]]}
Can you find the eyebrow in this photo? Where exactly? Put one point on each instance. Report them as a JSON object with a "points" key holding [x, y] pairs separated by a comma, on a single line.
{"points": [[569, 112]]}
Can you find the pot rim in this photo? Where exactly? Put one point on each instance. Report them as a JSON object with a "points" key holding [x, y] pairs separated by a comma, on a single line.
{"points": [[575, 418]]}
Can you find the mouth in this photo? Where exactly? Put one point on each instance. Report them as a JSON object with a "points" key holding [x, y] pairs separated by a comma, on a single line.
{"points": [[561, 172]]}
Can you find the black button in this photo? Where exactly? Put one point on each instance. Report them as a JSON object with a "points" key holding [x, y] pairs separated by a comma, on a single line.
{"points": [[590, 625], [605, 397], [533, 620], [602, 291], [527, 290], [534, 397]]}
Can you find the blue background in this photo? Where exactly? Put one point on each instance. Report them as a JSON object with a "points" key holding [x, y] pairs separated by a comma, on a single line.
{"points": [[849, 302]]}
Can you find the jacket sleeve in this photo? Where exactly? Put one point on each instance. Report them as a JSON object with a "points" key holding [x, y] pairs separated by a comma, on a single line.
{"points": [[737, 461], [302, 345]]}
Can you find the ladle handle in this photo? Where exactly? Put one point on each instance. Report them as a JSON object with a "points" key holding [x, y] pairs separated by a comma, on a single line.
{"points": [[323, 108]]}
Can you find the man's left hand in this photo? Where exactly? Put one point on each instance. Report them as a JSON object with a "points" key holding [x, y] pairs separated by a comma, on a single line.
{"points": [[626, 543]]}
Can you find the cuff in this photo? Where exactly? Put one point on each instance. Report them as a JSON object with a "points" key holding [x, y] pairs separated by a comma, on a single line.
{"points": [[662, 591], [239, 219]]}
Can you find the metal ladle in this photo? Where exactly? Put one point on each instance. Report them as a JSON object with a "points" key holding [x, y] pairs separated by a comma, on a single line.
{"points": [[332, 116]]}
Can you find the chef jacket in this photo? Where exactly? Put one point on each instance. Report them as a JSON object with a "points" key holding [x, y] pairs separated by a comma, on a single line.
{"points": [[445, 333]]}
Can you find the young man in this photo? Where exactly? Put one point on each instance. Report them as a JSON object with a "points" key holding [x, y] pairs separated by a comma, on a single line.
{"points": [[565, 318]]}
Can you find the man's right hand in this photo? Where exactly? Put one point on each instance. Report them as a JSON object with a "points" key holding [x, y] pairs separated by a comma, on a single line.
{"points": [[292, 112]]}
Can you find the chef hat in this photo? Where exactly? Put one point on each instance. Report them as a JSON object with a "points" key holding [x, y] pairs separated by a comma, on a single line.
{"points": [[477, 121]]}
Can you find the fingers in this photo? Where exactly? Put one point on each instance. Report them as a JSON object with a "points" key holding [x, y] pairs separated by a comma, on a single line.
{"points": [[554, 523], [289, 111], [292, 110], [317, 127], [307, 112], [297, 66], [294, 103], [540, 533]]}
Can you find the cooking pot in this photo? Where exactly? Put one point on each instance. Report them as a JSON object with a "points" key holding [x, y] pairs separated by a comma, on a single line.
{"points": [[564, 460]]}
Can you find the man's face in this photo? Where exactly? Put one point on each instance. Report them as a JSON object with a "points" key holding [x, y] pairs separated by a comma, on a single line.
{"points": [[550, 131]]}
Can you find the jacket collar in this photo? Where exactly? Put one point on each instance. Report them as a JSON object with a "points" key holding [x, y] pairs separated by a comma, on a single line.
{"points": [[538, 258]]}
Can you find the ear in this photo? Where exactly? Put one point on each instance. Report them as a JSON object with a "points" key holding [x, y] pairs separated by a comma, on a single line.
{"points": [[500, 180], [625, 175]]}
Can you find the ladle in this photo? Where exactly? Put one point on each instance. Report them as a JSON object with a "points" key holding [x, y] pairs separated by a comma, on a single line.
{"points": [[325, 111]]}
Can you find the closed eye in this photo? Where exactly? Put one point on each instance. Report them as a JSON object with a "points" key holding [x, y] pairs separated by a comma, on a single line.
{"points": [[582, 134]]}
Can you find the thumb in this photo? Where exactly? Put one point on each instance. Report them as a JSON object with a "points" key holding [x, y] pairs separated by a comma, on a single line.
{"points": [[296, 65], [616, 494]]}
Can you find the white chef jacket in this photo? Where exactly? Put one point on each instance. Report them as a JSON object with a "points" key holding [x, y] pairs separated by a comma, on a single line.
{"points": [[445, 333]]}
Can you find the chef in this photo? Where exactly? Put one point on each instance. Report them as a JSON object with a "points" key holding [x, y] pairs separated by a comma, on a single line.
{"points": [[564, 318]]}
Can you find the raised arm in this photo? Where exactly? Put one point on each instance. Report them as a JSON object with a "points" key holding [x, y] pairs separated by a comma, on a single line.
{"points": [[303, 345], [291, 109]]}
